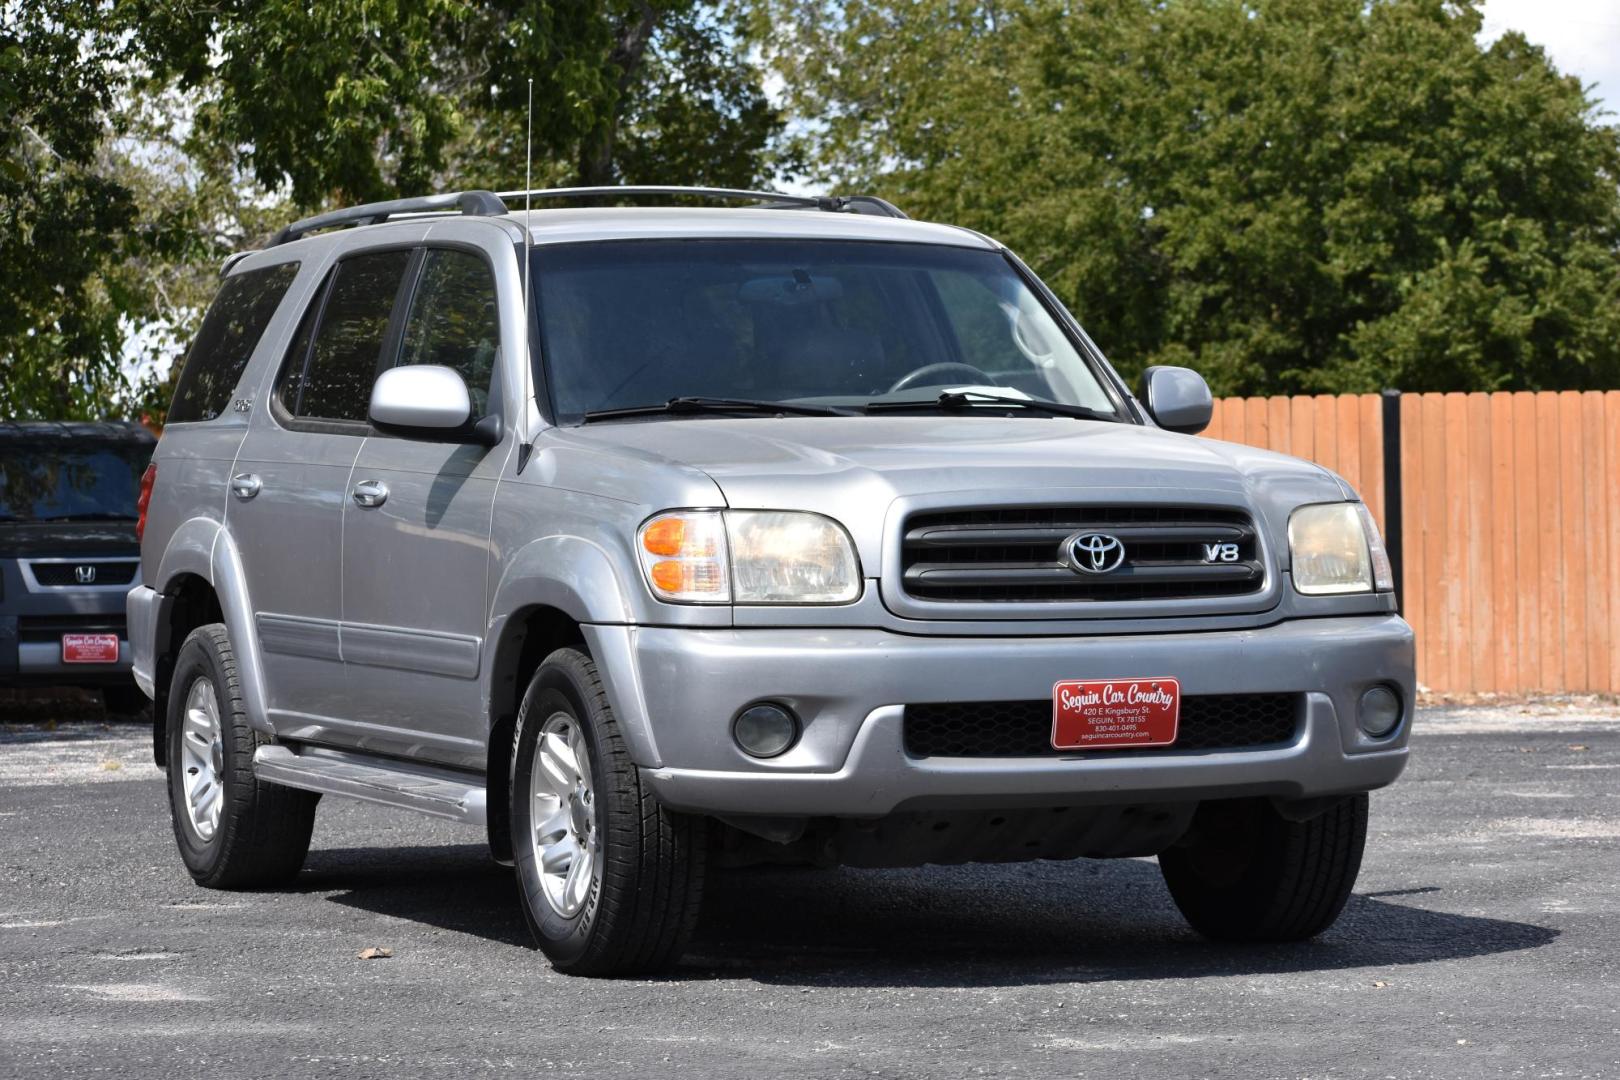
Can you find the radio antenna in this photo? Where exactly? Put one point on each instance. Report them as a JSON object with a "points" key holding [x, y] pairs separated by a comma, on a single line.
{"points": [[528, 240], [528, 185]]}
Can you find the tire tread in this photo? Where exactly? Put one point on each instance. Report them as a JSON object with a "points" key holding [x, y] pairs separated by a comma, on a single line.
{"points": [[265, 828], [653, 860], [1298, 879]]}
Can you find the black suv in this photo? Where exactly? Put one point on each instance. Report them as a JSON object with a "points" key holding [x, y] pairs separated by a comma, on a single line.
{"points": [[69, 495]]}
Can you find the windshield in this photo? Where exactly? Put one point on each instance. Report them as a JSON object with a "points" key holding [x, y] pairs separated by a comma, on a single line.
{"points": [[59, 483], [828, 322]]}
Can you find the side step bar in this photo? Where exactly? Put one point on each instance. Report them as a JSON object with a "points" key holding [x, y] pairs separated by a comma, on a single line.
{"points": [[437, 792]]}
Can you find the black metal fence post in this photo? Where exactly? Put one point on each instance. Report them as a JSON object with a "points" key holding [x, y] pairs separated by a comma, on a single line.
{"points": [[1392, 486]]}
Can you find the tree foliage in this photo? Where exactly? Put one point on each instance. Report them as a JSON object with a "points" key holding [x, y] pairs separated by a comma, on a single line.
{"points": [[144, 140], [1289, 195], [365, 99], [64, 215]]}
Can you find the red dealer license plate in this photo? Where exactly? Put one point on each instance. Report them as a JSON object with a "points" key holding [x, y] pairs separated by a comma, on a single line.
{"points": [[1112, 714], [89, 648]]}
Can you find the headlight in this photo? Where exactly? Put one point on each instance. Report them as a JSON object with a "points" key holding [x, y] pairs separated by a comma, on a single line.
{"points": [[749, 557], [790, 558], [1335, 548]]}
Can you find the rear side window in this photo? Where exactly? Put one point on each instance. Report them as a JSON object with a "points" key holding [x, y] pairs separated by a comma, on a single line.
{"points": [[454, 321], [335, 361], [230, 331]]}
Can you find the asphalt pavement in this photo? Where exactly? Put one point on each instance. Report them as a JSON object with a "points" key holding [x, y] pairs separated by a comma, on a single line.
{"points": [[1483, 941]]}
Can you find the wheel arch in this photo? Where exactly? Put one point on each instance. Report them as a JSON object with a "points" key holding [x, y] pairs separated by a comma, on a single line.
{"points": [[187, 601], [200, 580], [525, 638]]}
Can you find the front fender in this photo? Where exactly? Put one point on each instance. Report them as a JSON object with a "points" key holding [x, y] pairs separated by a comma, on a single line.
{"points": [[580, 579], [569, 573]]}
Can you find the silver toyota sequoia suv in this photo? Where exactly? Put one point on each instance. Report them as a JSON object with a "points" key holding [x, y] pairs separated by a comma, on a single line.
{"points": [[741, 528]]}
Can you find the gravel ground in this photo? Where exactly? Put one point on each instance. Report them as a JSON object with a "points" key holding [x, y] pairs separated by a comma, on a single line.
{"points": [[1482, 942]]}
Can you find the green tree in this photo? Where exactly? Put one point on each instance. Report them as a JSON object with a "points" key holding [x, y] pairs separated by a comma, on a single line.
{"points": [[144, 140], [1289, 195], [64, 220], [362, 99]]}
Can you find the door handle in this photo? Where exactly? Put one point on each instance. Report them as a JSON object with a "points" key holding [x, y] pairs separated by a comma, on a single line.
{"points": [[245, 485], [371, 493]]}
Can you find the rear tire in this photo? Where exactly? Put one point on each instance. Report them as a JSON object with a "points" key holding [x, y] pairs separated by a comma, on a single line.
{"points": [[610, 880], [234, 830], [1246, 873]]}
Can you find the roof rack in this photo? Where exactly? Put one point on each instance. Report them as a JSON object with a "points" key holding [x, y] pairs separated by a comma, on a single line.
{"points": [[489, 204], [478, 203], [771, 200]]}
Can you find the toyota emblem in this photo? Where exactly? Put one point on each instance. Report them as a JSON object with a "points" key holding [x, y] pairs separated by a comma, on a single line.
{"points": [[1095, 553]]}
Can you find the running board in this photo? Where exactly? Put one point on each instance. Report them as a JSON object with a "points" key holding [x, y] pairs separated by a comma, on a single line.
{"points": [[437, 792]]}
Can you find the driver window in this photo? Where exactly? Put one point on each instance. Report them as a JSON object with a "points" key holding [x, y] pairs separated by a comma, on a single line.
{"points": [[455, 321]]}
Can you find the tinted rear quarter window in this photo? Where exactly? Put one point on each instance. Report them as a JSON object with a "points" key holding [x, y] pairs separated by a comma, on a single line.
{"points": [[330, 377], [230, 331]]}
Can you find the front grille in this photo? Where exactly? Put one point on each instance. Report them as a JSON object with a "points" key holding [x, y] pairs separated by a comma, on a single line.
{"points": [[57, 575], [38, 628], [989, 729], [1018, 554]]}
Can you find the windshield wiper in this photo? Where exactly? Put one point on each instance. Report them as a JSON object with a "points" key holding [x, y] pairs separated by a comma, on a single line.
{"points": [[956, 400], [678, 405]]}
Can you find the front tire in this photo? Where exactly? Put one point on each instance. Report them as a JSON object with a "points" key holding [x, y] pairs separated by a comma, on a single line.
{"points": [[234, 830], [1244, 872], [610, 880]]}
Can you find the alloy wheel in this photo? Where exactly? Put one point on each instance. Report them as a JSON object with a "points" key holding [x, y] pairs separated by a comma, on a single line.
{"points": [[203, 752], [567, 844]]}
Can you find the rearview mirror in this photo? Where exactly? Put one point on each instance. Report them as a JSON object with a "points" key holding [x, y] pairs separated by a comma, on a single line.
{"points": [[1178, 399], [422, 399]]}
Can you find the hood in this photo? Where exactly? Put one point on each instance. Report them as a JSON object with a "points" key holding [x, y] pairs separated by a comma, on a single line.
{"points": [[66, 539], [854, 469]]}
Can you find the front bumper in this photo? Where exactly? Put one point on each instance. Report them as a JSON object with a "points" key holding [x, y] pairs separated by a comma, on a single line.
{"points": [[677, 690], [32, 657]]}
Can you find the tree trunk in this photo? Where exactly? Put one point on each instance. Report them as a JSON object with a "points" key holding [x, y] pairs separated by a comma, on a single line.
{"points": [[596, 148]]}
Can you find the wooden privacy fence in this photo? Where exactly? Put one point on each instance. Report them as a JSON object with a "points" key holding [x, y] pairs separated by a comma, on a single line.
{"points": [[1502, 512]]}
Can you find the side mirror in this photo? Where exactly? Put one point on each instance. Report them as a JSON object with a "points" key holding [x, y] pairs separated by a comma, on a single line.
{"points": [[430, 401], [1178, 399]]}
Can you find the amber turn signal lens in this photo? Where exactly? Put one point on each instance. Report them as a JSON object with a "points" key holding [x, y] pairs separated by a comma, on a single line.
{"points": [[668, 575], [689, 579], [666, 536]]}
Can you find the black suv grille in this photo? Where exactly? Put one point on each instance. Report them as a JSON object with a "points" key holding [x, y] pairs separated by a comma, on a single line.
{"points": [[1017, 554], [982, 729], [51, 627], [60, 574]]}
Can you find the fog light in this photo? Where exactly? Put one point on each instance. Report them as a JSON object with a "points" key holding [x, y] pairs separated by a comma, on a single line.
{"points": [[765, 730], [1380, 711]]}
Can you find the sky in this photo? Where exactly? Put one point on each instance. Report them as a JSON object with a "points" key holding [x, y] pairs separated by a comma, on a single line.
{"points": [[1581, 36]]}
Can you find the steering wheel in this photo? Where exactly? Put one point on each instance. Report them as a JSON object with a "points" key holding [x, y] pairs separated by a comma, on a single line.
{"points": [[924, 376]]}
